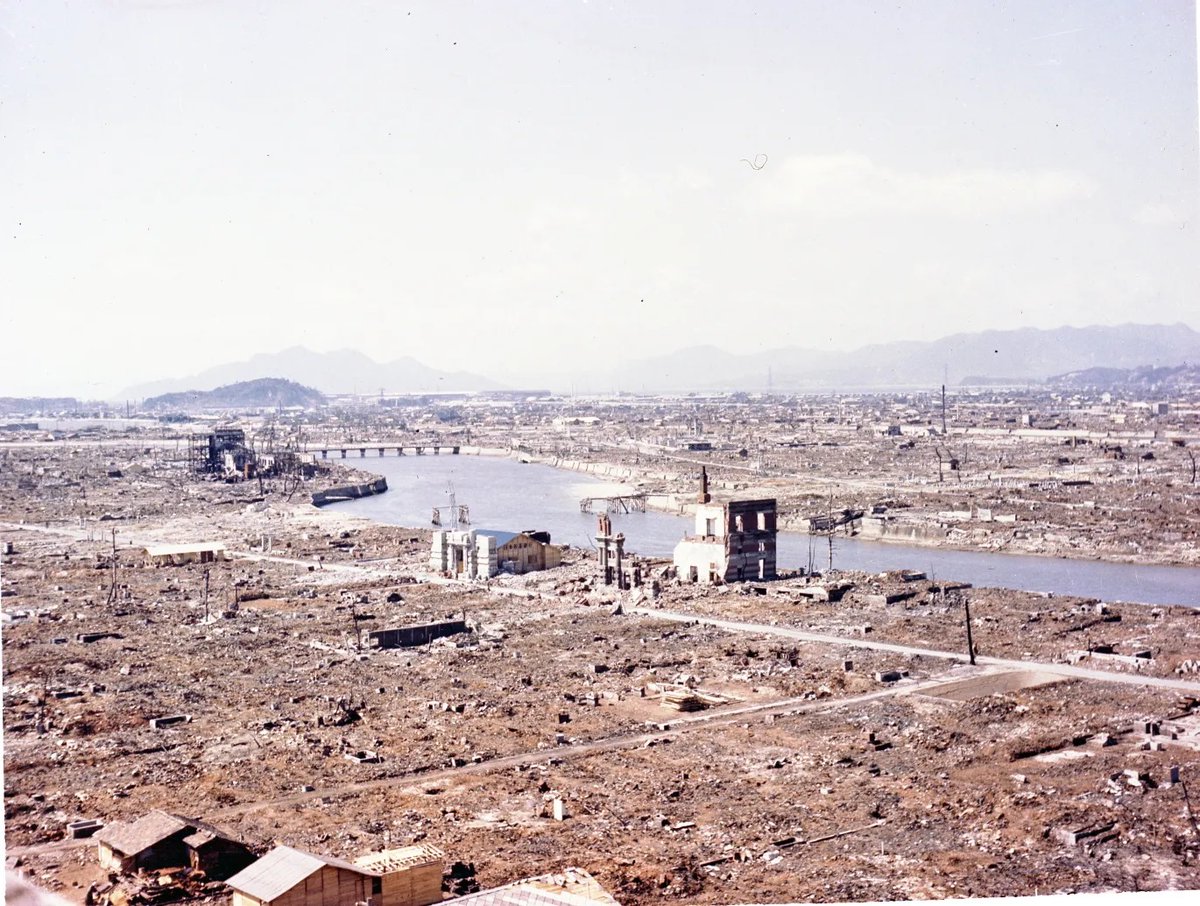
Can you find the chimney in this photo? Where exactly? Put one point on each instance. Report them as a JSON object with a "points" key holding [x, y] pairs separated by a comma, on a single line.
{"points": [[705, 497]]}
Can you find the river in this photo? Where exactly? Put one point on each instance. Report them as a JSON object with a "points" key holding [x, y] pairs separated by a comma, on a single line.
{"points": [[505, 494]]}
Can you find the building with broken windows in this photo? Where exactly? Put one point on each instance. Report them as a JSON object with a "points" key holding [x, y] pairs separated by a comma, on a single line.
{"points": [[733, 542]]}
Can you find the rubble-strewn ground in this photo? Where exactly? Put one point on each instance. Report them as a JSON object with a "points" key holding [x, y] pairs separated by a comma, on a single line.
{"points": [[814, 780]]}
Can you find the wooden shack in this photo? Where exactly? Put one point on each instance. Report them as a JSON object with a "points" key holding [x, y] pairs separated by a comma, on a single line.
{"points": [[153, 841], [161, 840], [217, 855], [290, 877], [412, 875]]}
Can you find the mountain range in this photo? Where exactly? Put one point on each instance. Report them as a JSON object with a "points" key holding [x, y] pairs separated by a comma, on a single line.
{"points": [[1168, 379], [1024, 355], [342, 371]]}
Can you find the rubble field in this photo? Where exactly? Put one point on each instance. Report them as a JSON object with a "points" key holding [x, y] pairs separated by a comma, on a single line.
{"points": [[686, 760]]}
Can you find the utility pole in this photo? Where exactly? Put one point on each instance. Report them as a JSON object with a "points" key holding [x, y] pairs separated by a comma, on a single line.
{"points": [[829, 528], [112, 588], [943, 410], [206, 594], [970, 641], [354, 624]]}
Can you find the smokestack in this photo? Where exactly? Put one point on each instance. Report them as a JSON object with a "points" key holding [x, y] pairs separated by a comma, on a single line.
{"points": [[705, 497]]}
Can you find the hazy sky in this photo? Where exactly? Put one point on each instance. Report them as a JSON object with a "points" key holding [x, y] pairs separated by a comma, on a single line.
{"points": [[501, 187]]}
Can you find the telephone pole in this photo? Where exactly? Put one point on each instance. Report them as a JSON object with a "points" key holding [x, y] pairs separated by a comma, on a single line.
{"points": [[112, 588], [829, 528], [970, 641]]}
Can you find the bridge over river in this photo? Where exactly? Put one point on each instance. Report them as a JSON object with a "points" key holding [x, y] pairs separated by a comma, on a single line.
{"points": [[378, 448]]}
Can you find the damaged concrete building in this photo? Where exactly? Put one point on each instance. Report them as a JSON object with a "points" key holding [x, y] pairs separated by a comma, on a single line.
{"points": [[221, 452], [733, 542], [483, 553]]}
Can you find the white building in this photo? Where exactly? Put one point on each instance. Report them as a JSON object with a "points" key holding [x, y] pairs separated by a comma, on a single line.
{"points": [[465, 554], [734, 542]]}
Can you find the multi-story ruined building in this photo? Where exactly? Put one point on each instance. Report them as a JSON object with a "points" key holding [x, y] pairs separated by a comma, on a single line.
{"points": [[733, 542]]}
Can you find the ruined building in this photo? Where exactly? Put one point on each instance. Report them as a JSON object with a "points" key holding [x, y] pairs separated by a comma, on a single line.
{"points": [[224, 451], [482, 553], [733, 542], [464, 554]]}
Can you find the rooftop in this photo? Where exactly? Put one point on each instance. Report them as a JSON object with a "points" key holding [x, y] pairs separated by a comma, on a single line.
{"points": [[282, 869], [131, 838], [397, 859], [570, 887], [196, 547]]}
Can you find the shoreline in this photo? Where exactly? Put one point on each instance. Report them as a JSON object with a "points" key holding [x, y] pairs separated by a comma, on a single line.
{"points": [[656, 502]]}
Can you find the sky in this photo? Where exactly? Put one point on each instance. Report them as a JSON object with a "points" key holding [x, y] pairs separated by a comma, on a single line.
{"points": [[513, 188]]}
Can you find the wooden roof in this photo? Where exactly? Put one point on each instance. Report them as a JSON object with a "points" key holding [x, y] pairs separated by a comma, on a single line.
{"points": [[131, 838], [282, 869], [399, 859]]}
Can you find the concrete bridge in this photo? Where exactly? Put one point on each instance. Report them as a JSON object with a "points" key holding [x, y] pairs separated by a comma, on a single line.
{"points": [[377, 449]]}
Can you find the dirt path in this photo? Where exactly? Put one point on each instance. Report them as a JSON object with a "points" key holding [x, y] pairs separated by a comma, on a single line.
{"points": [[1063, 670], [673, 728]]}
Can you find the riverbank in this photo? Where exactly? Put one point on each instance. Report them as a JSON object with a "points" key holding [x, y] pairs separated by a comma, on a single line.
{"points": [[1020, 539], [506, 494]]}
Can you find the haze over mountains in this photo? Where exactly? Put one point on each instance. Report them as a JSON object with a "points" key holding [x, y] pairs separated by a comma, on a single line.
{"points": [[341, 371], [1013, 356]]}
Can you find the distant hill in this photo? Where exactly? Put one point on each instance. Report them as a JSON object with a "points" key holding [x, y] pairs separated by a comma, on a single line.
{"points": [[344, 371], [26, 405], [258, 394], [1006, 356], [993, 357], [1146, 378]]}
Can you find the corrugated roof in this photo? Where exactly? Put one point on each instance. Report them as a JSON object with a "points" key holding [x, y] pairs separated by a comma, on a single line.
{"points": [[571, 887], [282, 869], [129, 839], [502, 538]]}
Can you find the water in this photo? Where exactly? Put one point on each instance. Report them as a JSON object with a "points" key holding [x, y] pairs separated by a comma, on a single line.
{"points": [[504, 494]]}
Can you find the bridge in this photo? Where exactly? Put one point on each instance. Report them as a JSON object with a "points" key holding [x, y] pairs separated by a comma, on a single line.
{"points": [[377, 449], [626, 503]]}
